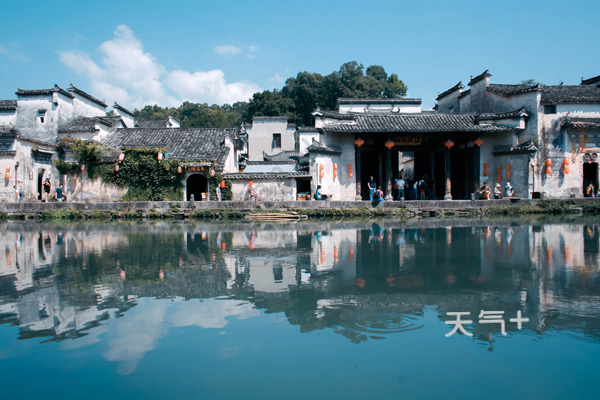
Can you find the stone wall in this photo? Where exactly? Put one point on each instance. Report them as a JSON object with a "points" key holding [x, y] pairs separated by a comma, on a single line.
{"points": [[266, 190]]}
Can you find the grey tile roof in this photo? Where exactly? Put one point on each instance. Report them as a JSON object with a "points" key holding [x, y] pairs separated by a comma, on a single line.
{"points": [[285, 156], [454, 88], [574, 94], [511, 90], [88, 124], [193, 144], [465, 93], [37, 92], [525, 147], [581, 123], [7, 131], [265, 175], [395, 100], [332, 114], [483, 75], [80, 92], [318, 147], [265, 118], [591, 81], [156, 124], [8, 105], [415, 123], [509, 114], [119, 107]]}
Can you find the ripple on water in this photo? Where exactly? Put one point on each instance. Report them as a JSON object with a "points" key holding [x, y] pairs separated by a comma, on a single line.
{"points": [[386, 323]]}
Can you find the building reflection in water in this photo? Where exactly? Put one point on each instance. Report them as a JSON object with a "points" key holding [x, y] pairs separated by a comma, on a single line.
{"points": [[363, 281]]}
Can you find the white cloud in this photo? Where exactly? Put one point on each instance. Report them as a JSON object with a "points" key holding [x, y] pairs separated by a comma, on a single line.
{"points": [[134, 78], [227, 49], [210, 87], [277, 78], [253, 48], [12, 53]]}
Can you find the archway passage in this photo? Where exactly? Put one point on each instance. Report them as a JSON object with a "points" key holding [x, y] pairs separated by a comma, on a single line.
{"points": [[590, 175], [196, 184]]}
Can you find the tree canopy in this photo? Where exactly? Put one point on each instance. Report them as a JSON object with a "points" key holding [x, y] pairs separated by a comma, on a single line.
{"points": [[298, 98]]}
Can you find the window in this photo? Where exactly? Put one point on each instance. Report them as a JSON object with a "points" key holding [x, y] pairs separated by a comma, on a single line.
{"points": [[41, 114], [550, 109], [276, 141]]}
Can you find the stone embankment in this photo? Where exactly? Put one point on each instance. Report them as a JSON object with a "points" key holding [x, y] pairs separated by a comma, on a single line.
{"points": [[327, 208]]}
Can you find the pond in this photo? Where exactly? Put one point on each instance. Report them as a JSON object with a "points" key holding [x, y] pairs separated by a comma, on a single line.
{"points": [[323, 310]]}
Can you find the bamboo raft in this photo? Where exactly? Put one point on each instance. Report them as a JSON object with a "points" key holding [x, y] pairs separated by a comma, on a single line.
{"points": [[288, 216]]}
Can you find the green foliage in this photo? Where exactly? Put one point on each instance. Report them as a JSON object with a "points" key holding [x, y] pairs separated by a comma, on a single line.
{"points": [[65, 167], [196, 115], [85, 151], [144, 177]]}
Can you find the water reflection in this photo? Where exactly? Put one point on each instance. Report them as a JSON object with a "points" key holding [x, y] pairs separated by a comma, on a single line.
{"points": [[362, 281]]}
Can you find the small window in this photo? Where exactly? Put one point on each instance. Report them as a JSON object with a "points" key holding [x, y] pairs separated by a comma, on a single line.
{"points": [[41, 115], [550, 109], [276, 141]]}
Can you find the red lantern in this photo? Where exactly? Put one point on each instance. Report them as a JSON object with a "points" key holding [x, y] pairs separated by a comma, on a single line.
{"points": [[389, 144], [485, 172], [321, 174], [250, 184], [160, 157], [321, 167], [335, 174], [222, 184], [478, 142], [335, 167], [8, 168], [498, 170], [359, 142], [499, 177], [509, 167], [486, 165], [566, 170], [566, 161], [508, 174], [121, 157], [548, 162], [449, 144], [7, 175], [116, 167], [548, 170], [350, 174], [179, 169]]}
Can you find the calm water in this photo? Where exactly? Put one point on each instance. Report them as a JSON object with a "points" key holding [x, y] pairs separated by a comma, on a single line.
{"points": [[310, 310]]}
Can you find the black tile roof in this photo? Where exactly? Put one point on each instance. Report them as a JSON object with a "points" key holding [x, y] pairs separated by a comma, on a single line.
{"points": [[525, 147], [156, 124], [80, 92], [509, 114], [88, 124], [265, 175], [265, 118], [392, 100], [193, 144], [581, 123], [318, 147], [416, 123], [465, 93], [483, 75], [283, 156], [574, 94], [454, 88], [8, 105], [37, 92], [119, 107], [591, 81], [510, 90], [7, 131], [332, 114]]}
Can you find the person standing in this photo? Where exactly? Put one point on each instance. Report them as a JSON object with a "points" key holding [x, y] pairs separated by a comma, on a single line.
{"points": [[318, 193], [59, 195], [497, 191], [400, 184], [508, 190], [371, 185], [218, 193], [17, 198], [47, 187]]}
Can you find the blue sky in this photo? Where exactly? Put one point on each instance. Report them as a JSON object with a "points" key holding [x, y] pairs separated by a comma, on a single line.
{"points": [[147, 52]]}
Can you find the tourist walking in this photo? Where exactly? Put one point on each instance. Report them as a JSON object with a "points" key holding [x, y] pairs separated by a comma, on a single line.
{"points": [[47, 187], [371, 185], [59, 195]]}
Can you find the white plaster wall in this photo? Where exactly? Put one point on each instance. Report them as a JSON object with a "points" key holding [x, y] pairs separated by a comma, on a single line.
{"points": [[8, 118], [127, 119], [366, 108], [86, 189], [260, 138], [342, 187], [231, 163], [265, 189], [27, 124], [306, 139], [83, 107]]}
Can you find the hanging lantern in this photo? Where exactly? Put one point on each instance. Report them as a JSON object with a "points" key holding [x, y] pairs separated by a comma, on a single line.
{"points": [[566, 161], [211, 172], [485, 172], [160, 157], [499, 178], [334, 166], [335, 174], [548, 170], [478, 142], [566, 170], [7, 175], [116, 167], [498, 170], [359, 142], [321, 167], [508, 174], [350, 173], [486, 165], [449, 144], [389, 144], [8, 168], [250, 184], [121, 157], [509, 167], [321, 174], [222, 184], [548, 162], [179, 169]]}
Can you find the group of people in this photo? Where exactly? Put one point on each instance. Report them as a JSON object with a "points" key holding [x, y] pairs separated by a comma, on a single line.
{"points": [[485, 192], [590, 191], [418, 189]]}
